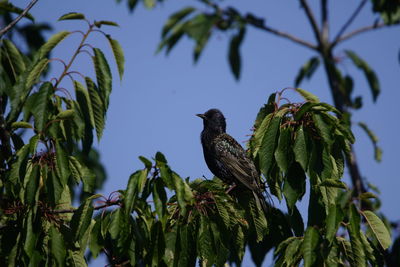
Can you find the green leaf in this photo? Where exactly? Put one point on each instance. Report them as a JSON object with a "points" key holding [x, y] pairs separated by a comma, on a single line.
{"points": [[378, 228], [105, 22], [6, 6], [21, 124], [72, 16], [295, 185], [52, 42], [269, 141], [353, 228], [62, 164], [57, 246], [81, 219], [175, 18], [103, 75], [35, 73], [204, 242], [308, 96], [283, 151], [292, 253], [367, 195], [368, 72], [14, 57], [118, 55], [310, 245], [333, 183], [307, 70], [135, 186], [32, 186], [97, 107], [374, 140], [335, 216], [235, 61], [301, 147], [66, 114], [160, 199], [40, 105], [324, 128]]}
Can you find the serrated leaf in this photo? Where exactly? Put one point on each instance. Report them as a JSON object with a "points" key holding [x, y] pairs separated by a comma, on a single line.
{"points": [[14, 57], [21, 124], [103, 75], [308, 96], [333, 219], [204, 241], [72, 16], [135, 186], [324, 129], [368, 72], [105, 22], [353, 228], [118, 55], [175, 18], [235, 61], [307, 70], [81, 220], [52, 42], [66, 114], [301, 148], [57, 246], [309, 246], [378, 228], [97, 107], [333, 183], [291, 255], [62, 164], [283, 151], [294, 186], [35, 73], [160, 199], [267, 148], [40, 105]]}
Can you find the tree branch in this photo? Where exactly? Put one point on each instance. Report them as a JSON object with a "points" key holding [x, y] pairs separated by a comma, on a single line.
{"points": [[20, 16], [324, 20], [105, 205], [358, 31], [311, 18], [259, 23], [349, 21]]}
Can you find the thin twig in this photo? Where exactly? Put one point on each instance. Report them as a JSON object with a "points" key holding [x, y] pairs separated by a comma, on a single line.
{"points": [[15, 21], [292, 38], [311, 18], [349, 21], [358, 31]]}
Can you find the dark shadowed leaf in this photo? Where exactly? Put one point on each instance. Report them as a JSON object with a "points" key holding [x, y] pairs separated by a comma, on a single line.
{"points": [[97, 107], [105, 22], [103, 75], [353, 228], [374, 140], [368, 72], [175, 18], [310, 245], [235, 61], [307, 70]]}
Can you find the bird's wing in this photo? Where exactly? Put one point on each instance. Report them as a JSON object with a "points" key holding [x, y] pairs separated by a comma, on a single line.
{"points": [[234, 158]]}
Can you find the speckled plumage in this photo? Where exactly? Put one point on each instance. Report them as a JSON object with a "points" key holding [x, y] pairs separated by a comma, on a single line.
{"points": [[226, 158]]}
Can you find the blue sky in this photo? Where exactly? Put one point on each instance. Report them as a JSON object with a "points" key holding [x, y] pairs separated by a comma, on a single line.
{"points": [[152, 109]]}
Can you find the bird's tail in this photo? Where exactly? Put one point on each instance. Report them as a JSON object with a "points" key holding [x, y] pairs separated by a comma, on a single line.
{"points": [[261, 202]]}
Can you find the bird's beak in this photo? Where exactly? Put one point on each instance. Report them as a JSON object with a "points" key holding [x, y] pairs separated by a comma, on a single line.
{"points": [[201, 116]]}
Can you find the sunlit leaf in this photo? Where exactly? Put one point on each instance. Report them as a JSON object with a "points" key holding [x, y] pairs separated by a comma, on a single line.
{"points": [[378, 228], [52, 42], [309, 246], [35, 73], [72, 16], [118, 55]]}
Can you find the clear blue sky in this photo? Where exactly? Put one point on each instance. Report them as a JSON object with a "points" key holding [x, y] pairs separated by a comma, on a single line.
{"points": [[153, 108]]}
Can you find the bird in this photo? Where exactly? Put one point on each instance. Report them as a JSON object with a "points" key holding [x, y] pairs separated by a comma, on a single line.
{"points": [[227, 159]]}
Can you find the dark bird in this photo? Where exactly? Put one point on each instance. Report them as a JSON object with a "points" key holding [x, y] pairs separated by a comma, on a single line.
{"points": [[226, 158]]}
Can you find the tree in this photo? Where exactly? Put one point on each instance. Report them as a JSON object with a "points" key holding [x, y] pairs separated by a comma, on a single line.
{"points": [[46, 144]]}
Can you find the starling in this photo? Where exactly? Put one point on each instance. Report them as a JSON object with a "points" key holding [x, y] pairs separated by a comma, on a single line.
{"points": [[226, 158]]}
